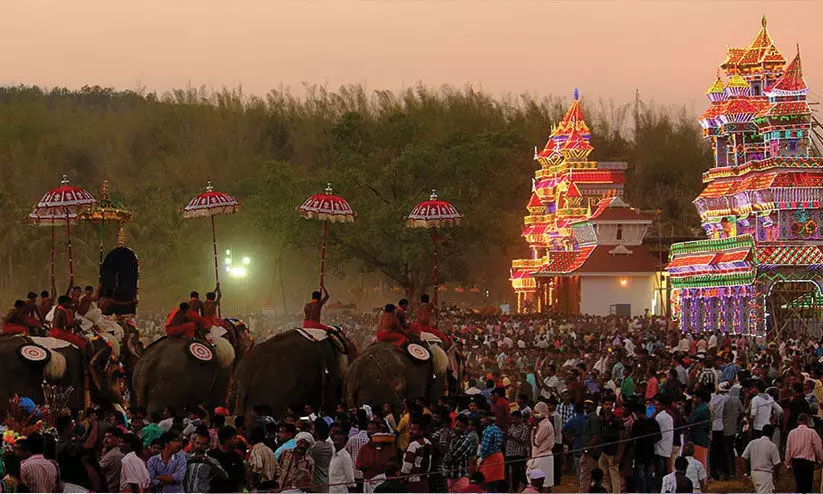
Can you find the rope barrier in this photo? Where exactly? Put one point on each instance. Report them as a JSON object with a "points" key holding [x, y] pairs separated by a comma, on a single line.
{"points": [[445, 472]]}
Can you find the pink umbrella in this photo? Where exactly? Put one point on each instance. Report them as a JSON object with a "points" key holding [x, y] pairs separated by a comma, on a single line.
{"points": [[327, 208], [434, 214], [60, 207], [211, 204]]}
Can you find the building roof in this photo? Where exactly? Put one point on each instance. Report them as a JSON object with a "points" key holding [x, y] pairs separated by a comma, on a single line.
{"points": [[790, 255], [606, 259], [762, 49], [573, 121], [792, 80], [717, 87], [615, 209]]}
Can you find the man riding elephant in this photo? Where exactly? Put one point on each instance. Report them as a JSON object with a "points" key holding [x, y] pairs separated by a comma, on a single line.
{"points": [[312, 310]]}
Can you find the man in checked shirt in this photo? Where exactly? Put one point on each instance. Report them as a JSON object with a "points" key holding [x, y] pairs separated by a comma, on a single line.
{"points": [[462, 449]]}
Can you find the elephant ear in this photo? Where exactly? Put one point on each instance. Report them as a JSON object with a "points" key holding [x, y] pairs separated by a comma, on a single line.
{"points": [[98, 365]]}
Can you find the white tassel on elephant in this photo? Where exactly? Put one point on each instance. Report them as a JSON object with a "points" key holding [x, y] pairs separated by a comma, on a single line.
{"points": [[440, 360], [224, 351], [56, 366]]}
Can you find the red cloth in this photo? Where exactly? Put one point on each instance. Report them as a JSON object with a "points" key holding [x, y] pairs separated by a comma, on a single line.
{"points": [[15, 329], [395, 338], [185, 330], [493, 468], [68, 336]]}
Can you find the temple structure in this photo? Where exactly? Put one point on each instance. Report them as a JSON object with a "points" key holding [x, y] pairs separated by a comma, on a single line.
{"points": [[761, 205], [585, 242]]}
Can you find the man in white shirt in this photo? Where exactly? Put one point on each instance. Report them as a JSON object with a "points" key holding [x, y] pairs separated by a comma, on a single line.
{"points": [[341, 468], [550, 383], [763, 456], [717, 404], [763, 406], [134, 476], [695, 471], [663, 447]]}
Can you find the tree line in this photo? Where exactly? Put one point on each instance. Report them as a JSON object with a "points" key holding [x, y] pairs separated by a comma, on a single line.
{"points": [[382, 150]]}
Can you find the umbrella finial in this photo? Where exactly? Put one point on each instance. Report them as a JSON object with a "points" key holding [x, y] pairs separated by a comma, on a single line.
{"points": [[64, 180], [209, 187], [329, 190], [433, 197], [121, 237], [104, 190]]}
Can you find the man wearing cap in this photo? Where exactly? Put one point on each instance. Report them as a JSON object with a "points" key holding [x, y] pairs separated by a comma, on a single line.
{"points": [[717, 404], [297, 465]]}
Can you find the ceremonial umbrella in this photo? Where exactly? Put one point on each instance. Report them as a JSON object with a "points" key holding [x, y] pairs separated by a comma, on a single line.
{"points": [[326, 207], [434, 214], [211, 204], [106, 209], [57, 207]]}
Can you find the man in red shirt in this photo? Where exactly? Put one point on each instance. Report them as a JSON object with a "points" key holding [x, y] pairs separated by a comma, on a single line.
{"points": [[501, 408]]}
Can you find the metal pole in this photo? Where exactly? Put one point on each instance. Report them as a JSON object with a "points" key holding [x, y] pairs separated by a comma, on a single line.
{"points": [[323, 253], [436, 280], [216, 268]]}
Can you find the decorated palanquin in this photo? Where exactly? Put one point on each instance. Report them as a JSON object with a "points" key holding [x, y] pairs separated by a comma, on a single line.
{"points": [[761, 205], [566, 189]]}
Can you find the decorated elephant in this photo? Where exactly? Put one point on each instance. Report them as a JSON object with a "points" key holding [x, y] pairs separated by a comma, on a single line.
{"points": [[182, 372], [27, 362], [299, 366], [386, 373]]}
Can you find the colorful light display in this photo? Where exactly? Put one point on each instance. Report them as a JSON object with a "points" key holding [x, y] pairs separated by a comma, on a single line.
{"points": [[761, 206], [568, 191]]}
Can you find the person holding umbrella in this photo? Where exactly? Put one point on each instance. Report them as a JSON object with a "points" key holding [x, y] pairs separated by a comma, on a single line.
{"points": [[312, 310]]}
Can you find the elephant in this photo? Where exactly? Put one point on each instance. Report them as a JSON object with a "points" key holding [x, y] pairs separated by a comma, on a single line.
{"points": [[290, 368], [186, 373], [385, 373], [57, 362]]}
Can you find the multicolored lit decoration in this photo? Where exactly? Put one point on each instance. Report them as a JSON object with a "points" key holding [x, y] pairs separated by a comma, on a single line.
{"points": [[568, 190], [763, 197]]}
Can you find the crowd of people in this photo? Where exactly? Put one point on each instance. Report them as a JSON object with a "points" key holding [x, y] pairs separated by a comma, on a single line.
{"points": [[593, 404]]}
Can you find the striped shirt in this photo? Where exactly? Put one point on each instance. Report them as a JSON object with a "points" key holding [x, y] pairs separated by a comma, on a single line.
{"points": [[38, 474]]}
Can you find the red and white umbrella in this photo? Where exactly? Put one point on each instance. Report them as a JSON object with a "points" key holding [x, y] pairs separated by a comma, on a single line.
{"points": [[210, 204], [60, 207], [328, 208], [434, 214]]}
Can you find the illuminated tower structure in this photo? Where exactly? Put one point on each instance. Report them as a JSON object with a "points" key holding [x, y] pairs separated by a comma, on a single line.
{"points": [[567, 189], [761, 205]]}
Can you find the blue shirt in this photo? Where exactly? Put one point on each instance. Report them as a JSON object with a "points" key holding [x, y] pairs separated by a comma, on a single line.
{"points": [[290, 444], [730, 372], [176, 468], [492, 441], [575, 426]]}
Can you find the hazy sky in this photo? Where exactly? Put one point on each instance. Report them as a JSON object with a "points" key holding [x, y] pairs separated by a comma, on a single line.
{"points": [[665, 48]]}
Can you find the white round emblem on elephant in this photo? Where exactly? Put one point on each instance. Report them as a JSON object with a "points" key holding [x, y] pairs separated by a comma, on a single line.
{"points": [[34, 353], [418, 351], [201, 352]]}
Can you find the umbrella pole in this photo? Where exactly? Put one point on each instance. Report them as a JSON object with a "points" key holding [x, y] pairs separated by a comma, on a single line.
{"points": [[323, 253], [436, 281], [102, 229], [51, 267], [216, 269], [68, 248]]}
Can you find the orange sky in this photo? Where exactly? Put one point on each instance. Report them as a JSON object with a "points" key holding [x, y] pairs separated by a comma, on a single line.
{"points": [[665, 48]]}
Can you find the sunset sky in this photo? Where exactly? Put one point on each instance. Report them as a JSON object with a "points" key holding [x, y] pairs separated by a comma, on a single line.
{"points": [[667, 49]]}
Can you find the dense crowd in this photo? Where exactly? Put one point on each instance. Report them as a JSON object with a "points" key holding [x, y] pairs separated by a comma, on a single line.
{"points": [[597, 404]]}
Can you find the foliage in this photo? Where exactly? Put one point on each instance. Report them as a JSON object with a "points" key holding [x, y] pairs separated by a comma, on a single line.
{"points": [[384, 151]]}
